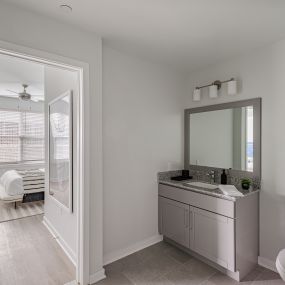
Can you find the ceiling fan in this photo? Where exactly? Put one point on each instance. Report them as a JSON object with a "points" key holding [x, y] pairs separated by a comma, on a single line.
{"points": [[24, 95]]}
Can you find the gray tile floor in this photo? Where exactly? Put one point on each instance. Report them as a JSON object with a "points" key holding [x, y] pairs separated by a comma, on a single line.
{"points": [[164, 264]]}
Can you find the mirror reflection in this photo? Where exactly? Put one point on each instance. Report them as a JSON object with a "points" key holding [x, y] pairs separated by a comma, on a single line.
{"points": [[222, 138], [60, 150]]}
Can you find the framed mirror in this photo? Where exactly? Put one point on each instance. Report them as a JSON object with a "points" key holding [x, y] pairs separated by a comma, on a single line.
{"points": [[224, 136], [60, 150]]}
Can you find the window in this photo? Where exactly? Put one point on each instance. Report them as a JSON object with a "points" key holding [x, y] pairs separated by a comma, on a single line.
{"points": [[59, 124], [21, 136], [249, 138]]}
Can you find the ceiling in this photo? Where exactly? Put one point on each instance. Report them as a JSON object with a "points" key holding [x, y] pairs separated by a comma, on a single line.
{"points": [[186, 33], [14, 72]]}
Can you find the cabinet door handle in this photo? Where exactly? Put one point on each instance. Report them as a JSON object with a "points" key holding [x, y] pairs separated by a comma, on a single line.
{"points": [[191, 220], [186, 218]]}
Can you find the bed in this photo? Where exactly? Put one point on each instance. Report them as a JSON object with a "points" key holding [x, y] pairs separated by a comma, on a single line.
{"points": [[17, 185]]}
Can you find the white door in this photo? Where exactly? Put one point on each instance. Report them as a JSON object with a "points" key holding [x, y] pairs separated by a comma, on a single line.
{"points": [[58, 81], [212, 236]]}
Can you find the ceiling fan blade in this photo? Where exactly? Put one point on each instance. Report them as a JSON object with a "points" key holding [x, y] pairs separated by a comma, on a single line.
{"points": [[9, 96], [12, 96], [12, 91], [37, 99]]}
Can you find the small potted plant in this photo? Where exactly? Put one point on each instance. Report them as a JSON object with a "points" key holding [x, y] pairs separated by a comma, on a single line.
{"points": [[245, 183]]}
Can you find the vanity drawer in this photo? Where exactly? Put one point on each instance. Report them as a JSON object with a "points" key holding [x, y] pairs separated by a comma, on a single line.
{"points": [[199, 200]]}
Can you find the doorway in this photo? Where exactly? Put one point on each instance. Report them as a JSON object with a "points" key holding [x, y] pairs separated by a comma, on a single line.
{"points": [[80, 206], [22, 175]]}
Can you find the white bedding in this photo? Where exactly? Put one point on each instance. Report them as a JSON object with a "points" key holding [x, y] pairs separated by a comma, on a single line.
{"points": [[12, 183], [19, 182], [8, 198]]}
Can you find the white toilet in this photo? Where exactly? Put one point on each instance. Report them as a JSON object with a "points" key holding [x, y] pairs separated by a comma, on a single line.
{"points": [[280, 264]]}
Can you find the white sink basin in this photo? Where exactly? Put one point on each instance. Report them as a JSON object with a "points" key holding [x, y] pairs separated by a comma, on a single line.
{"points": [[202, 185]]}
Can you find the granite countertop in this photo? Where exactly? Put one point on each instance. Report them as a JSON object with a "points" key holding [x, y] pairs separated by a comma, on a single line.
{"points": [[216, 193]]}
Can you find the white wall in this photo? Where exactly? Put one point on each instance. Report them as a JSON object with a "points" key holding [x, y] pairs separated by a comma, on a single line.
{"points": [[16, 104], [142, 132], [59, 81], [261, 74], [45, 34], [211, 139]]}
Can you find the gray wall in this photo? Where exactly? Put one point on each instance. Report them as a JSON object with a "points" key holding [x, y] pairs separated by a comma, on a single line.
{"points": [[142, 134], [260, 74]]}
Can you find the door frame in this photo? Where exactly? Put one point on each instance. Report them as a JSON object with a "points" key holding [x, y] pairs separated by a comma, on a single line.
{"points": [[83, 137]]}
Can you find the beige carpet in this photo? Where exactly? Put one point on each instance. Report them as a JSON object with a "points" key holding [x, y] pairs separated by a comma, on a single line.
{"points": [[8, 211]]}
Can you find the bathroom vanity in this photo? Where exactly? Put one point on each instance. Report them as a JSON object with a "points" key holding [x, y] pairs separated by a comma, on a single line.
{"points": [[222, 230]]}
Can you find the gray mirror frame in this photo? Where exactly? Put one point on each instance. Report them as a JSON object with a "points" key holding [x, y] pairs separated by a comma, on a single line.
{"points": [[256, 103]]}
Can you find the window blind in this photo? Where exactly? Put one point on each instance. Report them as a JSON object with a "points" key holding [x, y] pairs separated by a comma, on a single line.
{"points": [[60, 135], [21, 136]]}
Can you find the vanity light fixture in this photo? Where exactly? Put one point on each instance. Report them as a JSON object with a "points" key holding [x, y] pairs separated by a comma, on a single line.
{"points": [[213, 91], [214, 87], [197, 94], [232, 87]]}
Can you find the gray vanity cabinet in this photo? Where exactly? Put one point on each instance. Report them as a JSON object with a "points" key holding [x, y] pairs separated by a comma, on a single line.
{"points": [[222, 231], [212, 236], [174, 221], [208, 234]]}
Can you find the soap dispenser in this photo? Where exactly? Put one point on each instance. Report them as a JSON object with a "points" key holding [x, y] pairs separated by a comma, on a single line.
{"points": [[224, 178]]}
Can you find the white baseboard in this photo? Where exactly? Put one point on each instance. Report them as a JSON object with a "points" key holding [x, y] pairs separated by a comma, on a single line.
{"points": [[72, 283], [96, 277], [267, 263], [113, 256], [65, 247]]}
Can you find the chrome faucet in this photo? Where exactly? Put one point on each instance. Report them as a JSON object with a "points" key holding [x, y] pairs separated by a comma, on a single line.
{"points": [[211, 174]]}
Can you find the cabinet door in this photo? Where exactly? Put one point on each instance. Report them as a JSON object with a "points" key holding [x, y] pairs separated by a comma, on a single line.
{"points": [[212, 236], [174, 221]]}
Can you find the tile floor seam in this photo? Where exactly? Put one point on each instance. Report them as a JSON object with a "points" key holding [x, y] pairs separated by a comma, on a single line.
{"points": [[173, 270], [128, 279], [209, 277], [180, 264], [175, 260]]}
